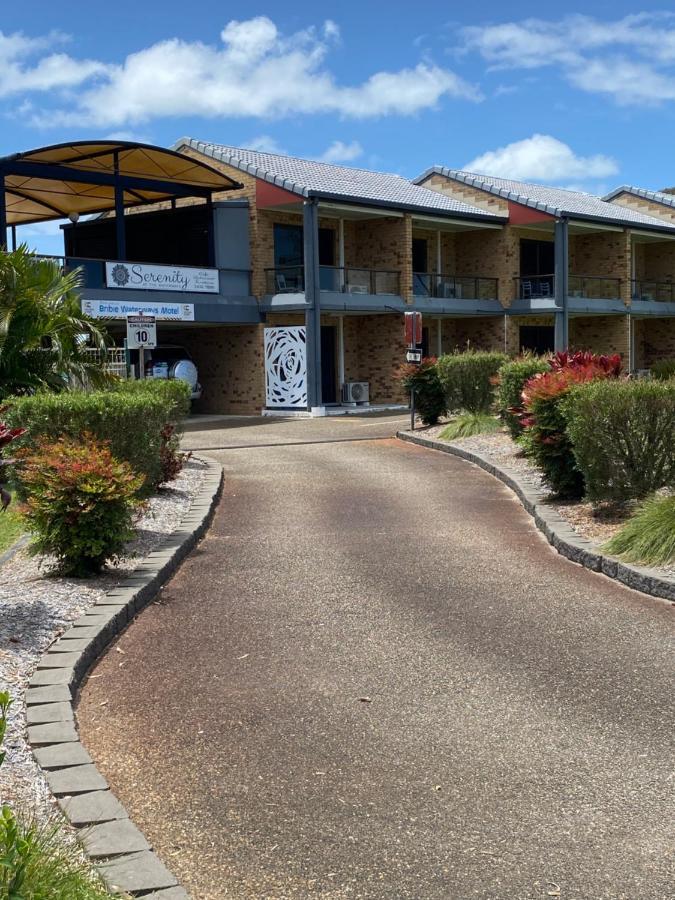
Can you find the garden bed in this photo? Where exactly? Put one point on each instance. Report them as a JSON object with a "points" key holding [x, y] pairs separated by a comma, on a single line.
{"points": [[596, 525], [36, 608]]}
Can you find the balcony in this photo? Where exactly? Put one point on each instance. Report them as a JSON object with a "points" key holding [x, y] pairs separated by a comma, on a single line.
{"points": [[535, 287], [653, 291], [454, 287], [334, 279], [594, 287], [586, 287]]}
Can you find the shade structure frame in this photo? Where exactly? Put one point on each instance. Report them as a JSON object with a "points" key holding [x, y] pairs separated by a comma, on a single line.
{"points": [[88, 177]]}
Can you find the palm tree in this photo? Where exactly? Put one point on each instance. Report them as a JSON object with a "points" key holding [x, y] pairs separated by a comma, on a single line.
{"points": [[43, 332]]}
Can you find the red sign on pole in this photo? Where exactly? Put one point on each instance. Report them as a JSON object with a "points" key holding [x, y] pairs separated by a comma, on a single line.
{"points": [[413, 329]]}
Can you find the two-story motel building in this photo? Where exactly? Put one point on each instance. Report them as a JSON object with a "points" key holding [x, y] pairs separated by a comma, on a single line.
{"points": [[287, 278]]}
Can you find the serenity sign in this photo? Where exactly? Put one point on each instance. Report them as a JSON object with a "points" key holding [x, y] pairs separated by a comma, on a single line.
{"points": [[143, 277]]}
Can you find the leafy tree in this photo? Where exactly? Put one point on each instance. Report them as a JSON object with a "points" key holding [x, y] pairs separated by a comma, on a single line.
{"points": [[43, 332]]}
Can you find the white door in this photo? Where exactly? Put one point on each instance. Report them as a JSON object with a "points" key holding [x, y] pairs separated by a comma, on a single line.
{"points": [[286, 367]]}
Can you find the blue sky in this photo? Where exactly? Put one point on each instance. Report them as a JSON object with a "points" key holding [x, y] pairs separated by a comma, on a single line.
{"points": [[575, 96]]}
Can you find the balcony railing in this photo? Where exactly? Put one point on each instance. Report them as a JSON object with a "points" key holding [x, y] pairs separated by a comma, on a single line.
{"points": [[594, 287], [590, 287], [656, 291], [341, 280], [535, 287], [459, 287], [236, 282]]}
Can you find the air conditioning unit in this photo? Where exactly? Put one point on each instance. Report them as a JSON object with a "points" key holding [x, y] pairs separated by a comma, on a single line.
{"points": [[356, 392]]}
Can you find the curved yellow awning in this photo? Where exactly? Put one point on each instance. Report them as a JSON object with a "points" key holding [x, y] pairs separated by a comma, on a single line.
{"points": [[80, 177]]}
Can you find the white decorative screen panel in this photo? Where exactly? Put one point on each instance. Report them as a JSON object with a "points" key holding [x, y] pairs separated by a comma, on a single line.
{"points": [[286, 366]]}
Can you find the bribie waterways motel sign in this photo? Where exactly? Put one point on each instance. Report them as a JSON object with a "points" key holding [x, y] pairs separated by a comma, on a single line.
{"points": [[120, 309], [143, 277]]}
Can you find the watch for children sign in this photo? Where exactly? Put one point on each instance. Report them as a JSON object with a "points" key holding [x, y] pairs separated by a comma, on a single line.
{"points": [[143, 277], [141, 332]]}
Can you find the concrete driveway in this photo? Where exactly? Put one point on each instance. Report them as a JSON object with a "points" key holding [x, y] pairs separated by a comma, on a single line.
{"points": [[374, 679]]}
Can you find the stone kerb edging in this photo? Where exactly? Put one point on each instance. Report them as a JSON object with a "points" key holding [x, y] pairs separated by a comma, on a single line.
{"points": [[117, 848], [557, 531]]}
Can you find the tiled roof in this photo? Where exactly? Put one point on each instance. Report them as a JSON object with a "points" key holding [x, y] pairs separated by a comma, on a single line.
{"points": [[309, 178], [656, 196], [556, 201]]}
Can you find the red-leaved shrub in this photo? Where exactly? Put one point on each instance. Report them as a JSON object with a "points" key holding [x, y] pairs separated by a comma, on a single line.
{"points": [[545, 438], [81, 502]]}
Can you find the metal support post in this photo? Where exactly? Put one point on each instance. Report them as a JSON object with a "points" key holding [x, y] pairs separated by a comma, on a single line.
{"points": [[561, 334], [120, 232], [3, 214], [313, 298]]}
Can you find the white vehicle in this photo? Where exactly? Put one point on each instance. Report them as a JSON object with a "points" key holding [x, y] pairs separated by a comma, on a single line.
{"points": [[173, 361]]}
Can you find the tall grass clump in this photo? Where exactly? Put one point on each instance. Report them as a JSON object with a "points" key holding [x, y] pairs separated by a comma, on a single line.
{"points": [[468, 425], [37, 861], [648, 537]]}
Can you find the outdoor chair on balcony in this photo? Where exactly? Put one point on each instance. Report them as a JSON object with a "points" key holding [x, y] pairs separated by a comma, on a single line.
{"points": [[452, 291], [281, 285], [357, 289]]}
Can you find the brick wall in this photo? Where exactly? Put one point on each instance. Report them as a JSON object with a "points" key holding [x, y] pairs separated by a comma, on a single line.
{"points": [[466, 194], [655, 261], [490, 253], [230, 364], [374, 350], [648, 207], [654, 340], [607, 254], [382, 243], [476, 333], [600, 334]]}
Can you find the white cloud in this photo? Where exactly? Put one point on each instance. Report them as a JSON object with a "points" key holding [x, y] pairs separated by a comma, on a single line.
{"points": [[630, 59], [53, 71], [541, 158], [125, 135], [339, 152], [264, 143], [256, 71]]}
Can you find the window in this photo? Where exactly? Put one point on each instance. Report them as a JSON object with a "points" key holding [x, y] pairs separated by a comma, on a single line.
{"points": [[537, 257], [419, 255], [537, 338], [289, 246]]}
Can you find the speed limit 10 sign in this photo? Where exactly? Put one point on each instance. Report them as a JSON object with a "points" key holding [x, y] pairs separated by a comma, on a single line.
{"points": [[141, 332]]}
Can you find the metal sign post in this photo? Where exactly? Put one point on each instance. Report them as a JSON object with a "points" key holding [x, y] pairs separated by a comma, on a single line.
{"points": [[413, 354], [141, 334]]}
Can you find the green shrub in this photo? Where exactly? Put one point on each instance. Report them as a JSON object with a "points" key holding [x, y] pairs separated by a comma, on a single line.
{"points": [[513, 376], [663, 369], [623, 436], [80, 503], [429, 395], [130, 418], [468, 379], [545, 439], [649, 536], [174, 391], [171, 458], [469, 424], [37, 862]]}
